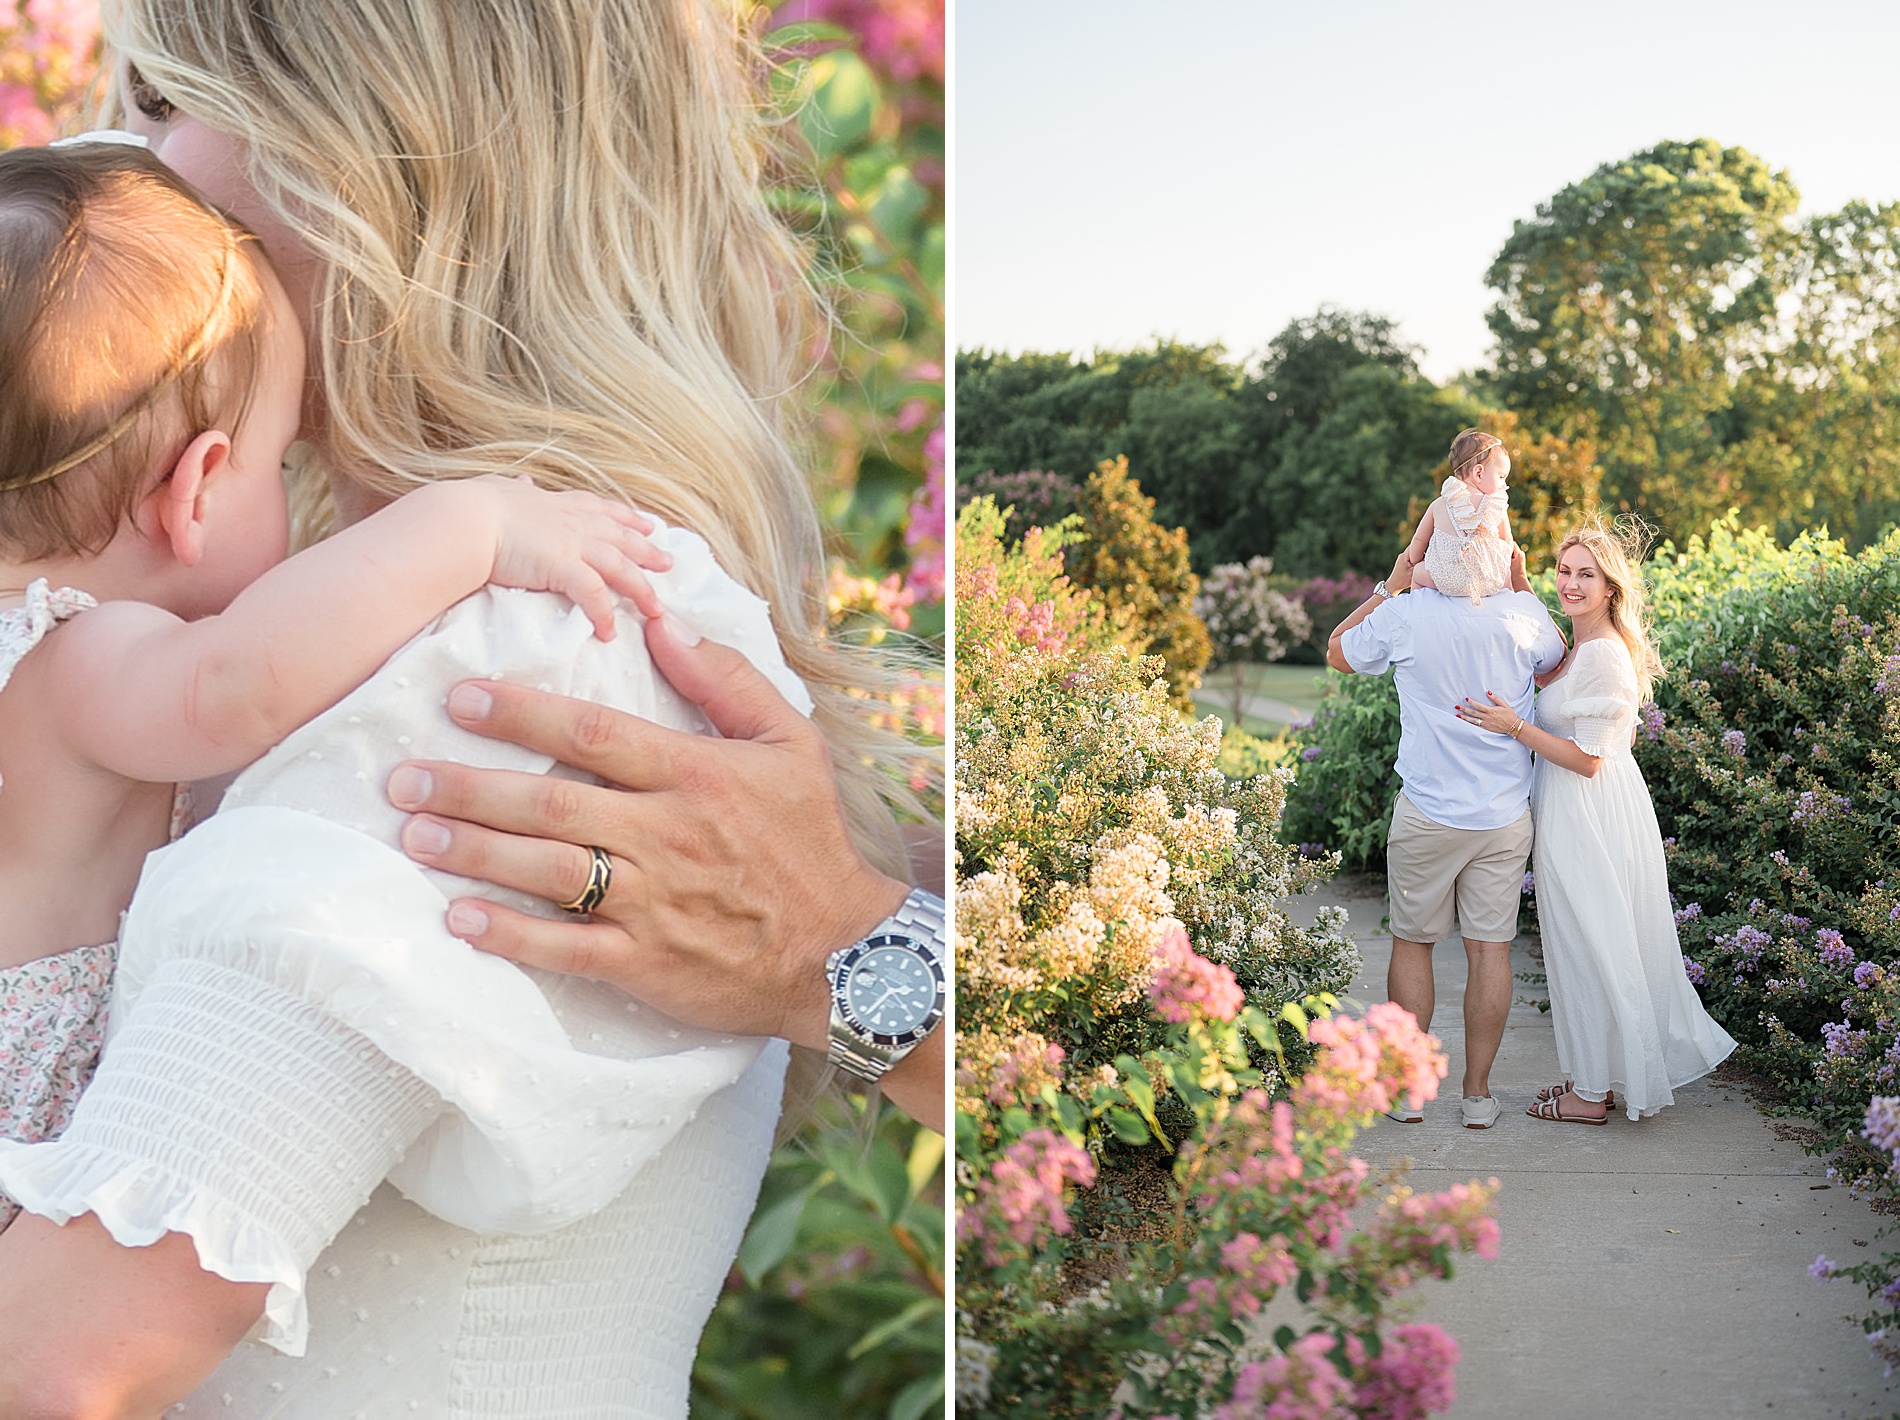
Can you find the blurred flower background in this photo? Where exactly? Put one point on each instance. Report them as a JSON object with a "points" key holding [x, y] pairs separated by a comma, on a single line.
{"points": [[835, 1307]]}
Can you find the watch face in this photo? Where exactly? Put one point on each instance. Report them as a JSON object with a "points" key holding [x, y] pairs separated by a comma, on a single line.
{"points": [[890, 991]]}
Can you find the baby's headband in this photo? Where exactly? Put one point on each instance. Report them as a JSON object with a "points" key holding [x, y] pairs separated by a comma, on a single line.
{"points": [[1483, 450], [193, 352]]}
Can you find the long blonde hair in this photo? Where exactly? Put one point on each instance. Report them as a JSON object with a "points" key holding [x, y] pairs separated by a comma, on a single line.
{"points": [[546, 249], [1618, 549]]}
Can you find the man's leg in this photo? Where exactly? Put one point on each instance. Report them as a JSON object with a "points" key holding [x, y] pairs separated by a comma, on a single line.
{"points": [[1487, 1007], [1408, 979], [1490, 888]]}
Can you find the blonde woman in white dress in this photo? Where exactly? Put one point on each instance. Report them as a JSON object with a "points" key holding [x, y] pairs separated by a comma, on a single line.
{"points": [[1628, 1022]]}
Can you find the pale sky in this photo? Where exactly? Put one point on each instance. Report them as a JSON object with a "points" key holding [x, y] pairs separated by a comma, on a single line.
{"points": [[1209, 169]]}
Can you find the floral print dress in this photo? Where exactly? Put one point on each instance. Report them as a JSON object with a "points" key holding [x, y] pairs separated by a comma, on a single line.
{"points": [[52, 1009]]}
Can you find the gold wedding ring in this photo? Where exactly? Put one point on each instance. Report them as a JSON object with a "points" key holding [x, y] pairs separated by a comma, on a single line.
{"points": [[600, 877]]}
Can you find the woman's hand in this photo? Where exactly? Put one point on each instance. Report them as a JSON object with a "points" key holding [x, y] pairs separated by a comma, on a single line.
{"points": [[590, 549], [1497, 717], [734, 875]]}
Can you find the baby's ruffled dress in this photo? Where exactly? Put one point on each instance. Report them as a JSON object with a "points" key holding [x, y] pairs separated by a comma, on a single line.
{"points": [[52, 1009], [472, 1187], [1472, 557]]}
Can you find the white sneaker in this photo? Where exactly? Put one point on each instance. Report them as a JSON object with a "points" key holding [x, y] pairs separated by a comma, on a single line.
{"points": [[1403, 1113], [1481, 1111]]}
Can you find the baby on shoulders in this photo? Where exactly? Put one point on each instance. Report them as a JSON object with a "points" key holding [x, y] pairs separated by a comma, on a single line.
{"points": [[1463, 545]]}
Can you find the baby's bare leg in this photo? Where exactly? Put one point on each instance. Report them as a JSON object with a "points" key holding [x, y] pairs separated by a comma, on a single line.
{"points": [[1422, 577]]}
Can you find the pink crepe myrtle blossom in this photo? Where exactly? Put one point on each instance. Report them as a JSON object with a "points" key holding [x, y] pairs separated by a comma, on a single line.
{"points": [[1367, 1065], [1187, 986], [1301, 1384], [1021, 1200], [1410, 1378]]}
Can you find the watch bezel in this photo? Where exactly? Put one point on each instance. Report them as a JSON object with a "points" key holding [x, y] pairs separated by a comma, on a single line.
{"points": [[843, 961]]}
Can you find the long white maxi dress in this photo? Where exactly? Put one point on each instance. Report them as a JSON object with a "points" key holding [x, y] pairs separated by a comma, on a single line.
{"points": [[1626, 1016]]}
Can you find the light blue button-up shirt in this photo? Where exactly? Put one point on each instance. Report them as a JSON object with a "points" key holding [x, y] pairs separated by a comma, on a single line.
{"points": [[1441, 650]]}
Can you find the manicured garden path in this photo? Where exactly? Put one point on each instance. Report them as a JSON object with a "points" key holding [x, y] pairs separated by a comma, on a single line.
{"points": [[1652, 1269]]}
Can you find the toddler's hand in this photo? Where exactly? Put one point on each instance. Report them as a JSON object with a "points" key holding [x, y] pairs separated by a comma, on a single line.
{"points": [[590, 549]]}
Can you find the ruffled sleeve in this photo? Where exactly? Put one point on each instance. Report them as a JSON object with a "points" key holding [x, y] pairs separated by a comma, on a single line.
{"points": [[1601, 699], [293, 1023]]}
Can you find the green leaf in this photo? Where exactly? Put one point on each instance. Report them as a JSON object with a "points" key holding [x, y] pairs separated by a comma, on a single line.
{"points": [[1294, 1016], [1127, 1126], [916, 1399], [771, 1236], [924, 1308], [1142, 1093], [926, 1157], [843, 102]]}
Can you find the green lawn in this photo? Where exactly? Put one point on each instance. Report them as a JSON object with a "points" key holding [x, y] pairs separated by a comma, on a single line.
{"points": [[1299, 686]]}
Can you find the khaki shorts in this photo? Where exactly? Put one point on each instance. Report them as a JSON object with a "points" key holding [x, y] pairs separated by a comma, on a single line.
{"points": [[1446, 882]]}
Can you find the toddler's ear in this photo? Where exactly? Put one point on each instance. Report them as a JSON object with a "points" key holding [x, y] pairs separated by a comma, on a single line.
{"points": [[181, 497]]}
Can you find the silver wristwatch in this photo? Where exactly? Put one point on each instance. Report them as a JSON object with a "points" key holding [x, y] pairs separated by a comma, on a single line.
{"points": [[1382, 592], [887, 991]]}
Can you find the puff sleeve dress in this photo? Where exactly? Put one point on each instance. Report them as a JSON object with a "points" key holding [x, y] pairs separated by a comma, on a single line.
{"points": [[473, 1188], [1625, 1014]]}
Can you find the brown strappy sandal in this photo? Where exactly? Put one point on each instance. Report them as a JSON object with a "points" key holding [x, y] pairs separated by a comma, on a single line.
{"points": [[1552, 1109], [1550, 1092]]}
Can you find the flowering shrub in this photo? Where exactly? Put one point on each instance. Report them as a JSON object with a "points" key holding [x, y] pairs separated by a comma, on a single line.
{"points": [[1249, 620], [1770, 752], [1329, 601], [49, 54], [1031, 499], [1343, 796], [1122, 970], [1089, 816], [1263, 1193]]}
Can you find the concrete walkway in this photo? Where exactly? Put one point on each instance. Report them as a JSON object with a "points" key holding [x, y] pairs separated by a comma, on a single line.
{"points": [[1652, 1269]]}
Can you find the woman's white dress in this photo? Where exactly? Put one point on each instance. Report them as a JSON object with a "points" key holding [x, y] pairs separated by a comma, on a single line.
{"points": [[1625, 1014], [474, 1189]]}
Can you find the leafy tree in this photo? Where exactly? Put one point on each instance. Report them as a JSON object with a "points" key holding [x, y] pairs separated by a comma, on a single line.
{"points": [[1340, 495], [1630, 302], [1250, 620], [1140, 571]]}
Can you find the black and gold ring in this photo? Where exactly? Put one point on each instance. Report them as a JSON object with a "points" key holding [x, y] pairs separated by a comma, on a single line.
{"points": [[600, 877]]}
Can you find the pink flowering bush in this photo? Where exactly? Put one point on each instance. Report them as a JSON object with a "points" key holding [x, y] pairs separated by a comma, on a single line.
{"points": [[49, 53], [1265, 1190]]}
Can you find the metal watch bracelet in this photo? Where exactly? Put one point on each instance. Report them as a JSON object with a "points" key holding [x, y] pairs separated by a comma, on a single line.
{"points": [[920, 917]]}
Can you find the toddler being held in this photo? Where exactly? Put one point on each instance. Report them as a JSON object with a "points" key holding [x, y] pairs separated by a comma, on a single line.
{"points": [[1463, 545], [152, 630]]}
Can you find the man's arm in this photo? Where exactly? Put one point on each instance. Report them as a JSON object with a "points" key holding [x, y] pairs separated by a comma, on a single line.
{"points": [[90, 1330], [1399, 579]]}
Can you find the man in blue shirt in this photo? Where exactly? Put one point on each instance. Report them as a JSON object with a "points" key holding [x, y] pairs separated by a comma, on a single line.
{"points": [[1461, 828]]}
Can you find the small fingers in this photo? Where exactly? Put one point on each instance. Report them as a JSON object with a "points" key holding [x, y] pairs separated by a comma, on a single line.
{"points": [[638, 548], [625, 576]]}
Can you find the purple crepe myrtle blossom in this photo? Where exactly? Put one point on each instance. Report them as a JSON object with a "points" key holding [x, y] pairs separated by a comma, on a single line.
{"points": [[1867, 973], [1834, 949], [1735, 743], [1692, 969], [1653, 720], [1688, 913], [1821, 1270], [1881, 1127]]}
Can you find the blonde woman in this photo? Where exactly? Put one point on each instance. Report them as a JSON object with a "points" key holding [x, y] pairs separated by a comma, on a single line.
{"points": [[1627, 1019], [524, 237]]}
